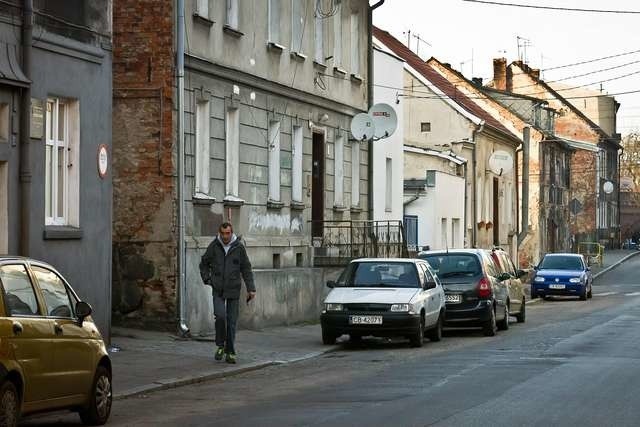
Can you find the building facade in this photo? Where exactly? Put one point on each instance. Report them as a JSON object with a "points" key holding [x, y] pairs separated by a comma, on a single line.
{"points": [[55, 141]]}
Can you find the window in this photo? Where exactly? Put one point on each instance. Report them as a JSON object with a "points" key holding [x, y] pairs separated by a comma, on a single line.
{"points": [[19, 296], [61, 163], [296, 180], [337, 36], [388, 196], [274, 21], [319, 39], [4, 208], [355, 43], [56, 297], [232, 163], [455, 232], [202, 8], [297, 25], [425, 127], [202, 148], [274, 161], [232, 14], [479, 198], [355, 174], [443, 233], [338, 195]]}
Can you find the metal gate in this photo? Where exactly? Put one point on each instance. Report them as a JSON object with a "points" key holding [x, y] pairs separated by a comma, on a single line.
{"points": [[411, 230]]}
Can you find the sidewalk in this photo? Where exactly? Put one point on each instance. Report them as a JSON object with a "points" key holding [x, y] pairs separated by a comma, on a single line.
{"points": [[612, 258], [146, 361]]}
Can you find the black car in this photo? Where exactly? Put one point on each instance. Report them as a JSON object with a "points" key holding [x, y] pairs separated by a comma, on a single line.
{"points": [[476, 293]]}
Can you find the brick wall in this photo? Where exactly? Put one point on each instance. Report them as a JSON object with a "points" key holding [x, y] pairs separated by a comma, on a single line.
{"points": [[144, 230]]}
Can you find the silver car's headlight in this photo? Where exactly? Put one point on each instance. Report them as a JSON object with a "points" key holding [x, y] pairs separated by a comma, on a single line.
{"points": [[539, 279], [400, 307], [333, 307], [575, 280]]}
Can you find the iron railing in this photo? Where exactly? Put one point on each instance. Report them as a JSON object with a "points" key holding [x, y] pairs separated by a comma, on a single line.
{"points": [[343, 241]]}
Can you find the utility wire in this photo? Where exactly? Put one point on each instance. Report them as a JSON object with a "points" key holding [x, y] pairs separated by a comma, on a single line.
{"points": [[591, 60], [564, 9]]}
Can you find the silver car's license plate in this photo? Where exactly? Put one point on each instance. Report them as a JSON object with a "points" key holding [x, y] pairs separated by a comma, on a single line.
{"points": [[365, 320], [453, 298], [554, 286]]}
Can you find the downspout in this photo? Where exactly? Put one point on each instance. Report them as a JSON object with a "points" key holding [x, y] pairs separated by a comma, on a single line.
{"points": [[620, 153], [183, 329], [370, 101], [25, 125], [466, 194], [474, 160], [524, 228]]}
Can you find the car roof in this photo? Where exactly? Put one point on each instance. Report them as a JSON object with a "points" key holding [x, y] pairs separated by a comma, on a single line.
{"points": [[567, 254], [13, 258], [387, 260], [473, 251]]}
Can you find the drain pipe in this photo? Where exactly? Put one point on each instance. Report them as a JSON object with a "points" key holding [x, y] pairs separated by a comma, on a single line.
{"points": [[25, 125], [474, 165], [183, 329], [370, 100], [524, 228]]}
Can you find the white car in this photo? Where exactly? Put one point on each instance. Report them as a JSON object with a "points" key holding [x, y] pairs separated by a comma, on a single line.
{"points": [[384, 297]]}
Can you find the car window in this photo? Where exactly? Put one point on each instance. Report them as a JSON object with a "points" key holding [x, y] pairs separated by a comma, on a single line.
{"points": [[421, 275], [508, 265], [561, 263], [56, 297], [427, 274], [492, 268], [19, 296], [373, 274], [453, 264]]}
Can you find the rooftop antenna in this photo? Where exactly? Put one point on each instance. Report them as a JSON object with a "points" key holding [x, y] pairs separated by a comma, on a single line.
{"points": [[420, 39], [525, 43], [408, 33]]}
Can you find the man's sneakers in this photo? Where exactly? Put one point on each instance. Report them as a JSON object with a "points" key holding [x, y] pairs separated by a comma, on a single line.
{"points": [[219, 353], [230, 358]]}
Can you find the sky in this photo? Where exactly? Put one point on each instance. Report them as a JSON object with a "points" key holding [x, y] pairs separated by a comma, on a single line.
{"points": [[468, 35]]}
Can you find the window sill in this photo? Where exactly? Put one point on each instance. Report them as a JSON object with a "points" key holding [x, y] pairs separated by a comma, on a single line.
{"points": [[298, 56], [356, 209], [61, 232], [341, 71], [203, 20], [357, 78], [388, 210], [340, 208], [275, 47], [232, 201], [298, 206], [272, 204], [232, 31], [320, 65], [202, 199]]}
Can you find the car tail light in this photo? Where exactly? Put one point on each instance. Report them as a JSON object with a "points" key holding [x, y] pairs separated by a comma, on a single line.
{"points": [[484, 288]]}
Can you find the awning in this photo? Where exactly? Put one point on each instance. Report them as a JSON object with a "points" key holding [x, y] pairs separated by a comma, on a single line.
{"points": [[576, 145], [10, 71]]}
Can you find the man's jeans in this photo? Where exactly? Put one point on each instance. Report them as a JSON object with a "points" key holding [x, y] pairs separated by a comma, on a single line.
{"points": [[226, 315]]}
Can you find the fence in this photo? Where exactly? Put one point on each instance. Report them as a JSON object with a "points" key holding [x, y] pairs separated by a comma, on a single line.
{"points": [[592, 251]]}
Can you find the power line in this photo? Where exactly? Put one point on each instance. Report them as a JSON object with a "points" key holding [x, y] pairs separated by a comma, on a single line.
{"points": [[564, 9], [591, 60]]}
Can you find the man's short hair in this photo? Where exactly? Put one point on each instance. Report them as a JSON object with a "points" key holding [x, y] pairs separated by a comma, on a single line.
{"points": [[225, 225]]}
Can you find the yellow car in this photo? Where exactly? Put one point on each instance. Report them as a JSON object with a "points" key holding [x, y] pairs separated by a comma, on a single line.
{"points": [[51, 354]]}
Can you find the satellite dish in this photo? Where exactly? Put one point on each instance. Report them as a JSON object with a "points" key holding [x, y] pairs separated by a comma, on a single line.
{"points": [[385, 120], [608, 187], [500, 162], [362, 127]]}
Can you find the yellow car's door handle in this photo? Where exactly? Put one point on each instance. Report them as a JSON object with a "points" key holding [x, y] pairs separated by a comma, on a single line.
{"points": [[58, 329], [17, 328]]}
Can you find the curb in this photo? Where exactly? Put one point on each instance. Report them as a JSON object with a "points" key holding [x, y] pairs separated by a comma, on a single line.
{"points": [[614, 265], [166, 384]]}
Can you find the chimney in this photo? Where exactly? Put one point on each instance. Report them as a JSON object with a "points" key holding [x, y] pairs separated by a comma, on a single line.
{"points": [[500, 73], [477, 81], [535, 73]]}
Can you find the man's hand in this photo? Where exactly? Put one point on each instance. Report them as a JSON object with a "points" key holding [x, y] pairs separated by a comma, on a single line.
{"points": [[250, 295]]}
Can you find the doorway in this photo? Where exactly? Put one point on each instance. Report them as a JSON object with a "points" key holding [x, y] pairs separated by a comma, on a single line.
{"points": [[317, 185], [496, 212], [4, 205]]}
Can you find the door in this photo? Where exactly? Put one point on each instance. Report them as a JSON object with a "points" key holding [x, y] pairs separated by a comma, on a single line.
{"points": [[432, 303], [411, 231], [4, 205], [496, 212], [317, 185], [28, 333], [73, 347]]}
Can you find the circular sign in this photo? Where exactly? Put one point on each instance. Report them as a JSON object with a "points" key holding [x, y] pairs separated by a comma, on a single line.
{"points": [[607, 187], [362, 127], [500, 162], [103, 160], [385, 120]]}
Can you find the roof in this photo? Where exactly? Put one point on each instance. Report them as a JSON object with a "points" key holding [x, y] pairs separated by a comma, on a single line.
{"points": [[10, 71], [446, 155], [439, 81]]}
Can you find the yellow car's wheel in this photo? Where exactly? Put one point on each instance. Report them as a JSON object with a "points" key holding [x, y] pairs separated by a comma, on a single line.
{"points": [[9, 404], [99, 405]]}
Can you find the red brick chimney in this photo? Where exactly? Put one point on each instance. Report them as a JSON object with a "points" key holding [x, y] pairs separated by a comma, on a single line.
{"points": [[500, 73]]}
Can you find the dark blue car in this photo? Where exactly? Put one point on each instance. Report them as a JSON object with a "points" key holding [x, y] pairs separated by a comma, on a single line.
{"points": [[562, 274]]}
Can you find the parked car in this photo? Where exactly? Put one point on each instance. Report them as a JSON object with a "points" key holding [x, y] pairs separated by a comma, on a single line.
{"points": [[516, 302], [384, 297], [51, 354], [475, 290], [562, 274]]}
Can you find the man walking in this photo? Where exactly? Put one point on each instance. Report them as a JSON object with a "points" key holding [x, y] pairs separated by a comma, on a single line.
{"points": [[221, 267]]}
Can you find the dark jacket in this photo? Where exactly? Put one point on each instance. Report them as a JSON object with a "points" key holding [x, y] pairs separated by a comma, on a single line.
{"points": [[223, 271]]}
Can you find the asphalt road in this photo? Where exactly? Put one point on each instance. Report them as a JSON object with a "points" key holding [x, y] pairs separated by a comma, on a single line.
{"points": [[571, 363]]}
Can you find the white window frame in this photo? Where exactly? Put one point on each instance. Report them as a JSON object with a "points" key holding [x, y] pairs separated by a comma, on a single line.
{"points": [[274, 160], [479, 198], [355, 174], [297, 155], [274, 13], [337, 36], [319, 39], [388, 190], [355, 43], [202, 152], [338, 173], [232, 17], [297, 25], [202, 8], [232, 160]]}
